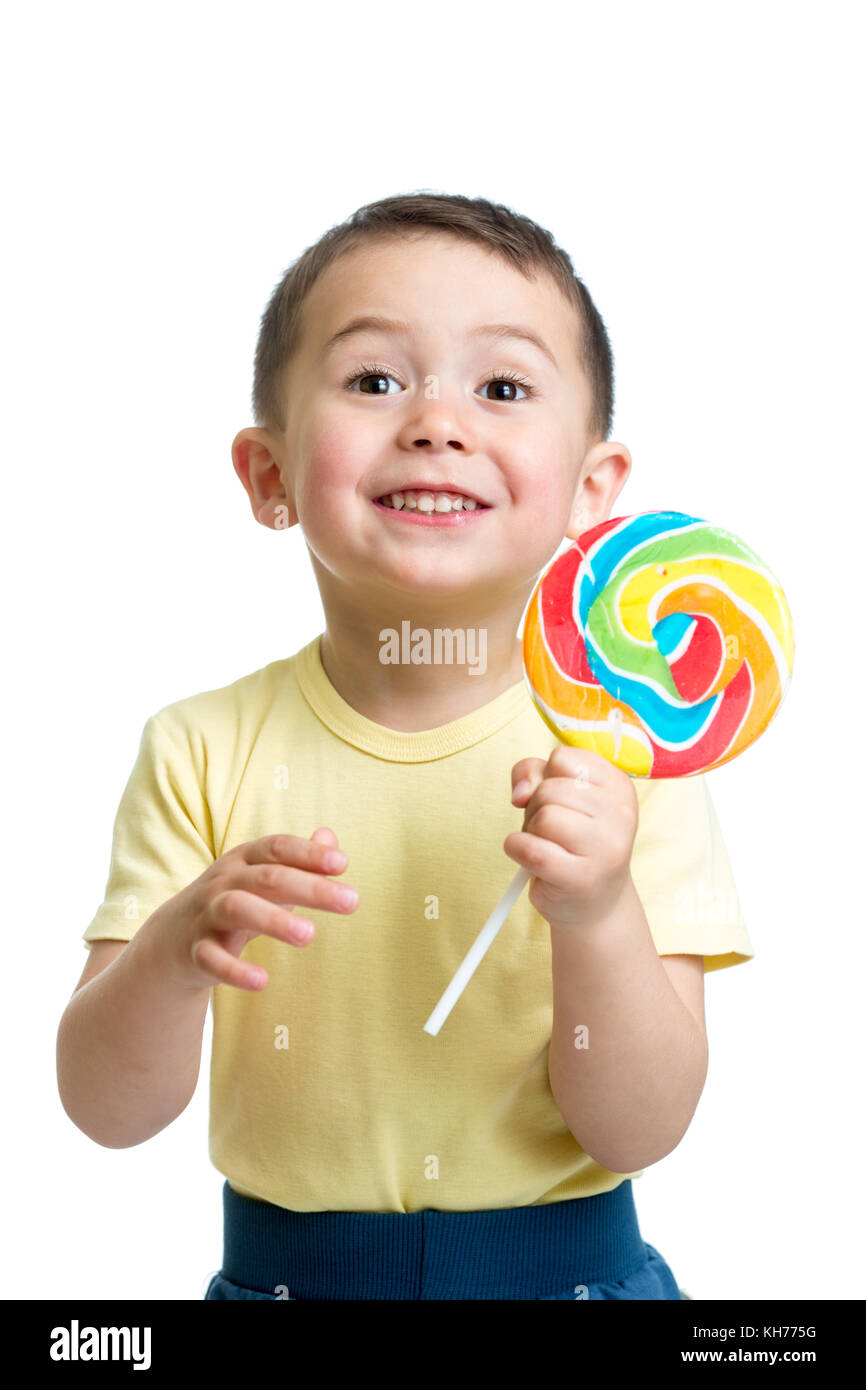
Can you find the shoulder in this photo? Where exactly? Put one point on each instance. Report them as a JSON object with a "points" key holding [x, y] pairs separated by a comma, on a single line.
{"points": [[671, 791], [231, 706], [673, 806]]}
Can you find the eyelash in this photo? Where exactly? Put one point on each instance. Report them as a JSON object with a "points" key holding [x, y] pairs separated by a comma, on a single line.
{"points": [[376, 369]]}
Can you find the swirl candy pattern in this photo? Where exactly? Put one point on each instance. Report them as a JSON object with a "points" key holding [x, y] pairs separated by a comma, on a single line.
{"points": [[660, 642]]}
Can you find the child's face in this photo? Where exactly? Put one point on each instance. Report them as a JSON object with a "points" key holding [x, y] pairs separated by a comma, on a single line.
{"points": [[437, 419]]}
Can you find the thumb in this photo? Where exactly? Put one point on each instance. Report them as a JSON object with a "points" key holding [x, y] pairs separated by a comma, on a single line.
{"points": [[526, 775], [325, 836]]}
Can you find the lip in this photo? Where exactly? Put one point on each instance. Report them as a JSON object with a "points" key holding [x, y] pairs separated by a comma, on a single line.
{"points": [[416, 518]]}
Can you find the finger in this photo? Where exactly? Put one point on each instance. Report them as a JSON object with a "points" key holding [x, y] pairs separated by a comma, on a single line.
{"points": [[317, 856], [219, 965], [575, 833], [284, 884], [583, 764], [571, 792], [238, 911], [525, 776], [542, 858]]}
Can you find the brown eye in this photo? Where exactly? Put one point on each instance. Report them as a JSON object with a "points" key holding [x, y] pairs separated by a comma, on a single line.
{"points": [[506, 390], [378, 388], [378, 379], [507, 385]]}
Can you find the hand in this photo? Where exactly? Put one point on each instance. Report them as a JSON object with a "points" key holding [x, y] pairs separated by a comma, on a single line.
{"points": [[581, 817], [247, 892]]}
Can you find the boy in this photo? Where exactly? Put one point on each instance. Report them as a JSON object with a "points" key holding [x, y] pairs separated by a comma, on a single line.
{"points": [[434, 392]]}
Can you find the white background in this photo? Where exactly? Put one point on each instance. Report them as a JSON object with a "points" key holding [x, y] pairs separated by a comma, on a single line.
{"points": [[163, 165]]}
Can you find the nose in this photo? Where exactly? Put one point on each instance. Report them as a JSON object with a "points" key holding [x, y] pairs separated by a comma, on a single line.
{"points": [[435, 427], [451, 443]]}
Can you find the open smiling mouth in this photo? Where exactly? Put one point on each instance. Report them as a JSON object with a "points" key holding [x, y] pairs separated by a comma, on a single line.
{"points": [[431, 508]]}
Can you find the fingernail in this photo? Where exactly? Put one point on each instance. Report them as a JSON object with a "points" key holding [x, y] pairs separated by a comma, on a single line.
{"points": [[522, 787], [335, 860]]}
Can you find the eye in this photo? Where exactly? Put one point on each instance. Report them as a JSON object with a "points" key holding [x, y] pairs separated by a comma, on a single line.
{"points": [[370, 371], [512, 379], [374, 372]]}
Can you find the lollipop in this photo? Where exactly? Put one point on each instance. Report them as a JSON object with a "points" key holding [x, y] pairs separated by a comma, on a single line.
{"points": [[658, 641]]}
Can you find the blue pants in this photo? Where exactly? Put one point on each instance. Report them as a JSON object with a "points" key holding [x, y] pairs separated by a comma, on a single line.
{"points": [[586, 1248]]}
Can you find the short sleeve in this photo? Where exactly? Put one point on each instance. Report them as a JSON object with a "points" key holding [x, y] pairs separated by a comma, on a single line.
{"points": [[163, 836], [682, 874]]}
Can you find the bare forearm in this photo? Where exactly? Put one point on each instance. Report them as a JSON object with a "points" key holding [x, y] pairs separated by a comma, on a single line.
{"points": [[630, 1087], [129, 1047]]}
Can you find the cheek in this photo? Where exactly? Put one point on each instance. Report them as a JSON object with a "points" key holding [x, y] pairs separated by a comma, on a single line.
{"points": [[336, 457], [547, 486], [550, 494]]}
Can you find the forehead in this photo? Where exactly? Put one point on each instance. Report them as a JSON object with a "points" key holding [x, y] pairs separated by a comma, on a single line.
{"points": [[440, 284]]}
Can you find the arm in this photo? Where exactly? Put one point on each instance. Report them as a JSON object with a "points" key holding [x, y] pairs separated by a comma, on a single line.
{"points": [[129, 1043], [628, 1095], [629, 1088]]}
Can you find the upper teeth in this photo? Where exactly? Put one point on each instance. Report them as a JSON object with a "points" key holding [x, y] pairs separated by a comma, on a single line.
{"points": [[430, 501]]}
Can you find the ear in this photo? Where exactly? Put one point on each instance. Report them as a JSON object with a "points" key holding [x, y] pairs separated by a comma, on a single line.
{"points": [[603, 476], [256, 455]]}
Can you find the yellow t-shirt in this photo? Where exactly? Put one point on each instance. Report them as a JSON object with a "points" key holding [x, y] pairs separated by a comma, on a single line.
{"points": [[363, 1110]]}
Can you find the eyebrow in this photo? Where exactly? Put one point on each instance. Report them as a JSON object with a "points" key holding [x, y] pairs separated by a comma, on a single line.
{"points": [[377, 323]]}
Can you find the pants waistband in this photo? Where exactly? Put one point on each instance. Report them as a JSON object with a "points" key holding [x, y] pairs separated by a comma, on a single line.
{"points": [[513, 1252]]}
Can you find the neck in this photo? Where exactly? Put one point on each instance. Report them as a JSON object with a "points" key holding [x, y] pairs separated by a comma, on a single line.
{"points": [[421, 671]]}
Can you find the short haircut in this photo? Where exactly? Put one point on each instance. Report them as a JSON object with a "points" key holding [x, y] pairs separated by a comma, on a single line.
{"points": [[520, 242]]}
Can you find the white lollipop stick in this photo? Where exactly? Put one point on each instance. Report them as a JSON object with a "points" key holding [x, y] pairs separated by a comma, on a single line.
{"points": [[483, 940]]}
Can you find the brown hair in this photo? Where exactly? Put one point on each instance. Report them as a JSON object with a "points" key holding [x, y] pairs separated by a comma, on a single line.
{"points": [[516, 239]]}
